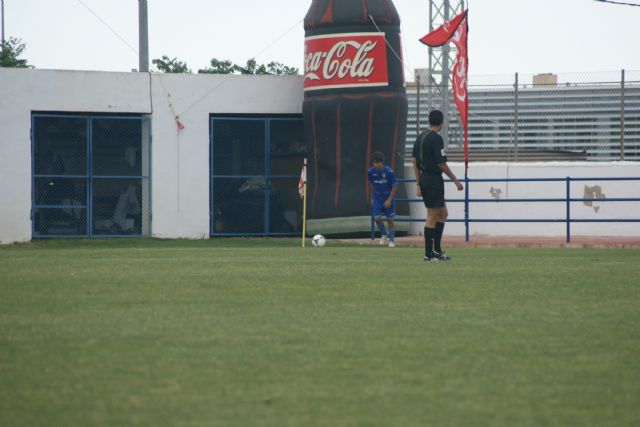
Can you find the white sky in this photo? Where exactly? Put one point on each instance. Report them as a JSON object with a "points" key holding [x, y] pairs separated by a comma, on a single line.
{"points": [[506, 36]]}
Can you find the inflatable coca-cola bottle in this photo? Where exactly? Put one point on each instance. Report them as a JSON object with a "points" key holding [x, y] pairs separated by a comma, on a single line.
{"points": [[355, 102]]}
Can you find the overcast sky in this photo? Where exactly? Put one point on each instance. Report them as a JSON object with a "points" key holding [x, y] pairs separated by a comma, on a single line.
{"points": [[528, 36]]}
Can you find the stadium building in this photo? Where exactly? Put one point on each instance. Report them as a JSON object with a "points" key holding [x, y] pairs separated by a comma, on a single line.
{"points": [[541, 120], [104, 154]]}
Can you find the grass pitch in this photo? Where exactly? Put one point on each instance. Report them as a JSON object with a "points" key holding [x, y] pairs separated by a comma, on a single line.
{"points": [[263, 333]]}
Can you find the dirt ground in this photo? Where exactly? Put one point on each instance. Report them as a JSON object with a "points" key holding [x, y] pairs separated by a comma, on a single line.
{"points": [[517, 242]]}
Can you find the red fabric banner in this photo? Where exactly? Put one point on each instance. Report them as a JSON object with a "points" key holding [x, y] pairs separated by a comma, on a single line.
{"points": [[455, 31], [444, 32]]}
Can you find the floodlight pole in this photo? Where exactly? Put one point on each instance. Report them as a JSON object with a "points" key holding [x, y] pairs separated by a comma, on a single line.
{"points": [[143, 37]]}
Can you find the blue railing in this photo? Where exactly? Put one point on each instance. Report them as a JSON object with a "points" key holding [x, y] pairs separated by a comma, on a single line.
{"points": [[567, 200]]}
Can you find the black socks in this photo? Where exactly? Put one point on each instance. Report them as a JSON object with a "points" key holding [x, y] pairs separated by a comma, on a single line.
{"points": [[438, 236], [433, 239], [429, 241]]}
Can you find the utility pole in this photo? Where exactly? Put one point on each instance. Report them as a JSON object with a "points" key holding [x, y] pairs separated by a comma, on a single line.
{"points": [[143, 36], [622, 78], [2, 13]]}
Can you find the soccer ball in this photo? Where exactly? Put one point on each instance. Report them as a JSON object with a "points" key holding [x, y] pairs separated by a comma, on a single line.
{"points": [[318, 241]]}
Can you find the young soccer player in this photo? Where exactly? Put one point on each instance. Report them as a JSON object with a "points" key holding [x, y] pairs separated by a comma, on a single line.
{"points": [[384, 187], [429, 163]]}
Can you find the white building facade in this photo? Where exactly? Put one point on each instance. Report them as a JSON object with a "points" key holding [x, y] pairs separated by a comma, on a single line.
{"points": [[179, 159]]}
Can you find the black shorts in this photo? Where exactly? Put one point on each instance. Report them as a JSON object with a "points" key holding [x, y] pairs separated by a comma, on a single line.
{"points": [[432, 187]]}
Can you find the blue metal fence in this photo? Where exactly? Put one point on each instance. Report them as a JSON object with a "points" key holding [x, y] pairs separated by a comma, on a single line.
{"points": [[567, 200], [255, 165], [90, 175]]}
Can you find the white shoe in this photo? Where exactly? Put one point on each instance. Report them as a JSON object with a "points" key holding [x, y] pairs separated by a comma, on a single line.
{"points": [[392, 244], [383, 240]]}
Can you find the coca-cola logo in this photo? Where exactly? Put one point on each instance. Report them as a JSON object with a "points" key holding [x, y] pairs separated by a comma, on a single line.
{"points": [[345, 60]]}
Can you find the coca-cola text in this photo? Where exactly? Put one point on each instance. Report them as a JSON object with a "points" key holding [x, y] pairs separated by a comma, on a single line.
{"points": [[345, 60]]}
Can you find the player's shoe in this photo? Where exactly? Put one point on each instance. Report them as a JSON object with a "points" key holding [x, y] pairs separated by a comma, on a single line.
{"points": [[441, 256], [431, 259], [383, 240], [392, 244]]}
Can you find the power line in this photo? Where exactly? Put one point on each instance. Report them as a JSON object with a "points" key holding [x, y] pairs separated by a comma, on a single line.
{"points": [[203, 97], [294, 26], [391, 47], [108, 27], [619, 3], [213, 89]]}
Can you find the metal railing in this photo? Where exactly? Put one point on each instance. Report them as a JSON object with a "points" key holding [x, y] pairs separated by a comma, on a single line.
{"points": [[567, 200], [597, 114]]}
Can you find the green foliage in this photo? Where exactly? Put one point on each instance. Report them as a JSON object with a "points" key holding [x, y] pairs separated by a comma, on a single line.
{"points": [[167, 65], [251, 67], [219, 67], [259, 332], [10, 53], [278, 69], [225, 66]]}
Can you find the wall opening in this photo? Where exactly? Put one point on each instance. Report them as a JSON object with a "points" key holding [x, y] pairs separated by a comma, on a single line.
{"points": [[255, 167], [91, 175]]}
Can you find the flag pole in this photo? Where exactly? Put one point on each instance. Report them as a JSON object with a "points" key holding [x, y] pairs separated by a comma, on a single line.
{"points": [[304, 206]]}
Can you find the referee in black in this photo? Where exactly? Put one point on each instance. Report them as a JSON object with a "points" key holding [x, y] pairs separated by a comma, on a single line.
{"points": [[429, 163]]}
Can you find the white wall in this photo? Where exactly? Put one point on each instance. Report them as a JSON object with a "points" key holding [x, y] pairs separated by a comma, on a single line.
{"points": [[542, 190], [23, 91], [180, 158]]}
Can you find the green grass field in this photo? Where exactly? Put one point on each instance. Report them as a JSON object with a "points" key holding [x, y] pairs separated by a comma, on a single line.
{"points": [[263, 333]]}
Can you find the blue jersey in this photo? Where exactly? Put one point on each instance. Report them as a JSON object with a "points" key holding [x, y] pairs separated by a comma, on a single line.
{"points": [[383, 181]]}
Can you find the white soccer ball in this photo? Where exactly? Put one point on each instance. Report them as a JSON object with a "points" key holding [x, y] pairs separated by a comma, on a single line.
{"points": [[318, 241]]}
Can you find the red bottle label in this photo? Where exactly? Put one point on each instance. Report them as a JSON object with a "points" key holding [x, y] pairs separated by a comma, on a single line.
{"points": [[347, 60]]}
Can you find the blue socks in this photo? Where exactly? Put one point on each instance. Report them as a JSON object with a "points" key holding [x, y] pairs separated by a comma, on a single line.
{"points": [[383, 229], [391, 232]]}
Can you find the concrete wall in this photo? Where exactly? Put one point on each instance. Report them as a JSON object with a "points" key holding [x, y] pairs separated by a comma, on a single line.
{"points": [[180, 173], [180, 158], [522, 190]]}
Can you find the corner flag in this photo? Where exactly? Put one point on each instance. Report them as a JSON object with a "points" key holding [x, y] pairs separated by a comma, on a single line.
{"points": [[302, 190], [303, 179]]}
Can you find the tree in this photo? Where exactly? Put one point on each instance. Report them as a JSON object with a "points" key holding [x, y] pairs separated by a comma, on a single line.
{"points": [[219, 67], [278, 69], [251, 67], [167, 65], [11, 50]]}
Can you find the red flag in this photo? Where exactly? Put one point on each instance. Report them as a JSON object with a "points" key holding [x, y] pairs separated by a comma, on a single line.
{"points": [[444, 32], [303, 179], [456, 31]]}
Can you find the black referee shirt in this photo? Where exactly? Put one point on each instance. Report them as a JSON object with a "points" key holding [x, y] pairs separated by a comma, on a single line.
{"points": [[428, 151]]}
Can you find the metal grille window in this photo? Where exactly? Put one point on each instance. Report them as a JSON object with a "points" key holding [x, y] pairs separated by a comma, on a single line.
{"points": [[91, 175], [255, 166]]}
